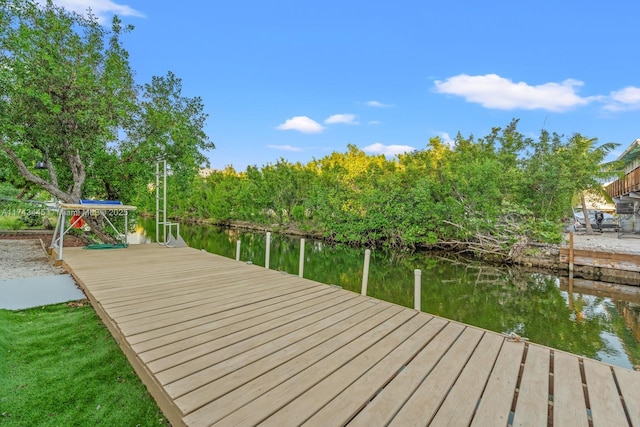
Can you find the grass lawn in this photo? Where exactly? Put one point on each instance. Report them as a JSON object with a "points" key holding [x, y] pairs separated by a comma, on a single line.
{"points": [[59, 366], [14, 222]]}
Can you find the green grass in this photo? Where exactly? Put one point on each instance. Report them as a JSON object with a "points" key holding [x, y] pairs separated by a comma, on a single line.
{"points": [[59, 366], [14, 222], [11, 223]]}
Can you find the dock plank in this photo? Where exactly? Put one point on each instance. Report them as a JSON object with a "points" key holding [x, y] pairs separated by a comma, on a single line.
{"points": [[352, 399], [423, 404], [307, 404], [630, 389], [237, 389], [189, 290], [222, 342], [162, 319], [460, 404], [248, 327], [200, 297], [569, 406], [532, 406], [629, 383], [232, 360], [495, 403], [606, 406], [392, 398], [194, 359], [265, 405], [240, 316]]}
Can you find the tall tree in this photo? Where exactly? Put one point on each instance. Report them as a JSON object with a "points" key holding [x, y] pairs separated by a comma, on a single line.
{"points": [[63, 97], [584, 160], [69, 99]]}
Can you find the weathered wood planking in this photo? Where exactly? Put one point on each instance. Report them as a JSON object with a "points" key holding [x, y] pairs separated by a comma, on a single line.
{"points": [[220, 342], [617, 261], [569, 406], [601, 385], [496, 401]]}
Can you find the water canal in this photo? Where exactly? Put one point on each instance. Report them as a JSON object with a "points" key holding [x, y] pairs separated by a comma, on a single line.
{"points": [[602, 323]]}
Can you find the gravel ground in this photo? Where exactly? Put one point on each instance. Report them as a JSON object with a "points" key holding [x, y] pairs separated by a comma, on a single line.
{"points": [[24, 258], [22, 255], [607, 241]]}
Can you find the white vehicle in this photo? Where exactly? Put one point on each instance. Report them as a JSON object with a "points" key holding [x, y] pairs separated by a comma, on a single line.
{"points": [[599, 220]]}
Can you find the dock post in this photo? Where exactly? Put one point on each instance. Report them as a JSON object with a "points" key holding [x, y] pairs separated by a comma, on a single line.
{"points": [[301, 265], [365, 271], [417, 289], [571, 253], [238, 250], [570, 291], [268, 248]]}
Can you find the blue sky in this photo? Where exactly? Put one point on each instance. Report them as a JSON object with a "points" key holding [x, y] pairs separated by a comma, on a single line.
{"points": [[301, 79]]}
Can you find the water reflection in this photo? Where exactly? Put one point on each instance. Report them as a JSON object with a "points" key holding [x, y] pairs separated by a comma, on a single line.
{"points": [[139, 236], [592, 319]]}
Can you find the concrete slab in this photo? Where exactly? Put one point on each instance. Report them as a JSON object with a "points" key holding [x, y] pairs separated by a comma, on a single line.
{"points": [[18, 294]]}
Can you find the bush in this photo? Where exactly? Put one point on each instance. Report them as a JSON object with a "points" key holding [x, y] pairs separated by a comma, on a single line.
{"points": [[16, 224], [31, 218]]}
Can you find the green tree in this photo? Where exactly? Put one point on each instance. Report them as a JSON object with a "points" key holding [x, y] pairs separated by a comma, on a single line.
{"points": [[545, 189], [588, 170], [69, 99], [488, 196]]}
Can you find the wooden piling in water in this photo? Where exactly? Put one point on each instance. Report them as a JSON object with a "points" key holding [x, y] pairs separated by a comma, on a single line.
{"points": [[268, 249], [417, 289], [301, 265], [570, 252], [365, 271]]}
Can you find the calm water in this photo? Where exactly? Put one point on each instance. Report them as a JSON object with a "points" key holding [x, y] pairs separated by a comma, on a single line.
{"points": [[593, 319]]}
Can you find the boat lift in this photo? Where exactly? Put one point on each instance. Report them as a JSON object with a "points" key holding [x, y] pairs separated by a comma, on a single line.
{"points": [[78, 211], [164, 228]]}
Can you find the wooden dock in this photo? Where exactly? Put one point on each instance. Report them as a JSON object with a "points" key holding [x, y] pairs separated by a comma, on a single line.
{"points": [[220, 342]]}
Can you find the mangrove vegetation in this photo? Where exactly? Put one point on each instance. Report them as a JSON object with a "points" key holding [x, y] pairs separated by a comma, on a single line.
{"points": [[488, 196]]}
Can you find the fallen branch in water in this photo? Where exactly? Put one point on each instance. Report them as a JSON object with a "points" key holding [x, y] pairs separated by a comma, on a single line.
{"points": [[498, 246]]}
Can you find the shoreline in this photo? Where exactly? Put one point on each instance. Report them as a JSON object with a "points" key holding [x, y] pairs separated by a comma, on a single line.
{"points": [[601, 257], [605, 246]]}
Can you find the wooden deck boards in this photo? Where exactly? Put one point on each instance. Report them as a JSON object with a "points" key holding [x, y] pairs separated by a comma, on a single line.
{"points": [[220, 342]]}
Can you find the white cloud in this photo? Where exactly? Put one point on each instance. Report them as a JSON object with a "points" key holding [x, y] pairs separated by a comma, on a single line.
{"points": [[302, 124], [446, 138], [377, 104], [387, 150], [349, 119], [624, 99], [101, 8], [493, 91], [285, 147], [373, 122]]}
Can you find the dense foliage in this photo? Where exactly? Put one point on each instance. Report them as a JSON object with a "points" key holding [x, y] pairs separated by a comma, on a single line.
{"points": [[488, 195], [72, 119]]}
